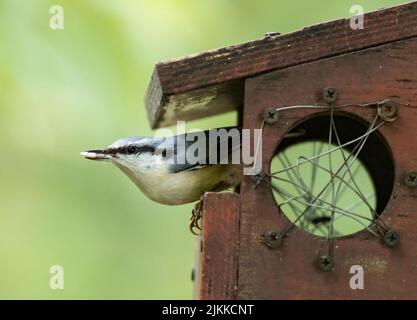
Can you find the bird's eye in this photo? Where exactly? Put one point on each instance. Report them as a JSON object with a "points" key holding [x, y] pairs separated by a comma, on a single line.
{"points": [[131, 149]]}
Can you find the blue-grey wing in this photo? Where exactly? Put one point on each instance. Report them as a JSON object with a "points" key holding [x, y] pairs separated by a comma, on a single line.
{"points": [[194, 150]]}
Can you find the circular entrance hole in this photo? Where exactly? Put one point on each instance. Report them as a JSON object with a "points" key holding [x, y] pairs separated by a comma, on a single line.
{"points": [[328, 190]]}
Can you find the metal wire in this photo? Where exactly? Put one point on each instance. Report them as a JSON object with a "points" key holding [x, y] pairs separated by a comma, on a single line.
{"points": [[337, 185]]}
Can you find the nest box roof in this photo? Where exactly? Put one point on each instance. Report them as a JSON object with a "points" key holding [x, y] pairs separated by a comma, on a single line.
{"points": [[212, 82]]}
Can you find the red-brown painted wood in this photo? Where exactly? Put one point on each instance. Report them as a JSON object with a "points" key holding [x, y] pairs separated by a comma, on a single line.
{"points": [[290, 272], [219, 246], [212, 82]]}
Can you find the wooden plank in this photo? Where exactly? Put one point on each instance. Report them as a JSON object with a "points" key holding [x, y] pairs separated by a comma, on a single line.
{"points": [[218, 278], [291, 272], [202, 80], [196, 104]]}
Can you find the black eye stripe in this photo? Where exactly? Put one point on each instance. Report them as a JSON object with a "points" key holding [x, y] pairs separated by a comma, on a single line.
{"points": [[147, 149], [135, 149]]}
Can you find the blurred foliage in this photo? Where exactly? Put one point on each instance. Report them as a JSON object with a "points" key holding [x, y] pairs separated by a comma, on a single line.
{"points": [[63, 91]]}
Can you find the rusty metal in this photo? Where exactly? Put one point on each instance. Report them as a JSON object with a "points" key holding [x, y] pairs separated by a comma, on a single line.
{"points": [[392, 238], [388, 111], [258, 179], [271, 116], [273, 239], [326, 263], [411, 179], [330, 95]]}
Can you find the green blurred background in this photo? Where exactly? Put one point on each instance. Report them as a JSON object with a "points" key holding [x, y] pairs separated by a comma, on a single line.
{"points": [[63, 91]]}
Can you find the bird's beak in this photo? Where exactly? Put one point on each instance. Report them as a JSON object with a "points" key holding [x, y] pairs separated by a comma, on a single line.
{"points": [[97, 155]]}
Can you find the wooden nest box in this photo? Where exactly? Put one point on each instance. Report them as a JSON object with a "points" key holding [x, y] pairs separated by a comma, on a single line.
{"points": [[334, 213]]}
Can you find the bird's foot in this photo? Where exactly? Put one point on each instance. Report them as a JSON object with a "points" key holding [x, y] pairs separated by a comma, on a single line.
{"points": [[195, 219]]}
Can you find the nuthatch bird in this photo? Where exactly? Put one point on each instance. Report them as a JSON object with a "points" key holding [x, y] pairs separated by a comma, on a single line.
{"points": [[161, 166]]}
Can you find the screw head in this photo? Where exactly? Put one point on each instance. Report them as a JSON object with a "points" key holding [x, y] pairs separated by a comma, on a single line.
{"points": [[326, 263], [330, 94], [258, 179], [392, 238], [388, 111], [411, 179], [271, 116], [273, 239]]}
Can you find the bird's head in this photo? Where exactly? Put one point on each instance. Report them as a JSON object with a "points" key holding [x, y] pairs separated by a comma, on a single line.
{"points": [[134, 155]]}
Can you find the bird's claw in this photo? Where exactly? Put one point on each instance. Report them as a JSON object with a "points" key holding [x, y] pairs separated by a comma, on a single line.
{"points": [[195, 219]]}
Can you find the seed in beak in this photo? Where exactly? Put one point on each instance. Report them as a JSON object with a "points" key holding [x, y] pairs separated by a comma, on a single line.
{"points": [[95, 155]]}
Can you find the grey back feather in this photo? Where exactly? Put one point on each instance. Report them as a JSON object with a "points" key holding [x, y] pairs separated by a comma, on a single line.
{"points": [[194, 150]]}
